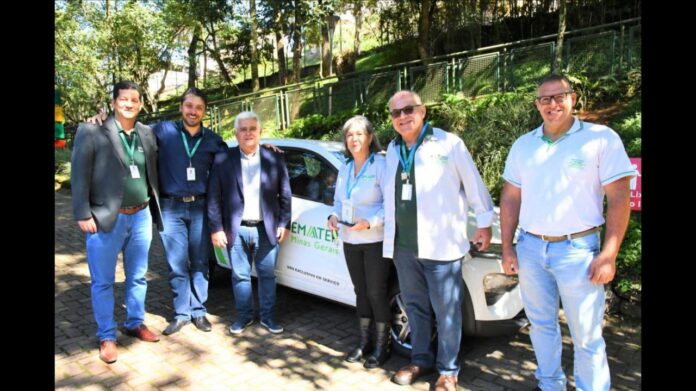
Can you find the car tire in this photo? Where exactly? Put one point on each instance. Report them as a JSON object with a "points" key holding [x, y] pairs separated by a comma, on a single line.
{"points": [[401, 331]]}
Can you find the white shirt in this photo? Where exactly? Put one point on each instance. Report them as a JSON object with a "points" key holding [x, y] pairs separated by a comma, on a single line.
{"points": [[367, 200], [562, 181], [251, 177], [447, 184]]}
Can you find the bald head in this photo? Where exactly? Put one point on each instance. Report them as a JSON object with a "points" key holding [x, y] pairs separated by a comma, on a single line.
{"points": [[404, 93], [407, 114]]}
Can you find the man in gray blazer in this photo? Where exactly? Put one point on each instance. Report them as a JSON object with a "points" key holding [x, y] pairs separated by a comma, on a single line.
{"points": [[115, 199]]}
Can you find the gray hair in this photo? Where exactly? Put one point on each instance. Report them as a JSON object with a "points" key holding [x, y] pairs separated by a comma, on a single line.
{"points": [[360, 122], [246, 115]]}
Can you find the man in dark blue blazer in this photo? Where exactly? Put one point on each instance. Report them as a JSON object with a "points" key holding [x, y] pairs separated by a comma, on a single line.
{"points": [[249, 202]]}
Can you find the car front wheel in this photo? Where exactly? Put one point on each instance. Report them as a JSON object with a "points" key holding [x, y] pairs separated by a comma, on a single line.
{"points": [[401, 329]]}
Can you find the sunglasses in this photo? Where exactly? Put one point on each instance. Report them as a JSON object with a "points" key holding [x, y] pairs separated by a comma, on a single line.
{"points": [[408, 110]]}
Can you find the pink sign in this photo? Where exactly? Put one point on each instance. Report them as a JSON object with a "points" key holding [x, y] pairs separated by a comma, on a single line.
{"points": [[635, 185]]}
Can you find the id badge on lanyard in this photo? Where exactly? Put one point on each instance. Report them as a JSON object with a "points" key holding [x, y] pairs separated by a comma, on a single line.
{"points": [[347, 211], [406, 191], [191, 174], [135, 173]]}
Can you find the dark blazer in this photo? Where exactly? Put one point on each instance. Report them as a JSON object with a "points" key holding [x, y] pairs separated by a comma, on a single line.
{"points": [[99, 168], [226, 194]]}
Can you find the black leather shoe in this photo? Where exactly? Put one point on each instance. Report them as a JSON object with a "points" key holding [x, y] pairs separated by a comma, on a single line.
{"points": [[175, 325], [202, 323]]}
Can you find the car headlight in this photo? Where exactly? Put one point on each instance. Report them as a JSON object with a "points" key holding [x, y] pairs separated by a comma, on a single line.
{"points": [[495, 285]]}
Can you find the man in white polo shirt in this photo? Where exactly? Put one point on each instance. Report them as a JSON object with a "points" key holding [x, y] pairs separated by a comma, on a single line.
{"points": [[556, 177]]}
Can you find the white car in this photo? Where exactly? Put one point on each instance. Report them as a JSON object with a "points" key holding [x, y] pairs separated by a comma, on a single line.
{"points": [[311, 258]]}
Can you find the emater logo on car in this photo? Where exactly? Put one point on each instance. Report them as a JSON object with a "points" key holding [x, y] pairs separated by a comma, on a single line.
{"points": [[319, 238]]}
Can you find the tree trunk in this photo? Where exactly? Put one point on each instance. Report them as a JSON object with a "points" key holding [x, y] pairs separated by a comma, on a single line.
{"points": [[163, 82], [424, 29], [192, 60], [358, 25], [280, 43], [326, 47], [252, 45], [215, 52], [558, 58], [297, 43]]}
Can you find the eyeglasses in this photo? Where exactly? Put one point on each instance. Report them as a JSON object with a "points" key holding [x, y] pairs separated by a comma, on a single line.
{"points": [[559, 98], [408, 110]]}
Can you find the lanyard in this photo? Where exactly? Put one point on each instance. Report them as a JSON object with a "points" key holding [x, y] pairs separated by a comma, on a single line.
{"points": [[406, 165], [349, 188], [189, 152], [130, 148]]}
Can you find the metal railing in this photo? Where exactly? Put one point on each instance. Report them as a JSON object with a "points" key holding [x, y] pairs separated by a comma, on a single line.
{"points": [[596, 51]]}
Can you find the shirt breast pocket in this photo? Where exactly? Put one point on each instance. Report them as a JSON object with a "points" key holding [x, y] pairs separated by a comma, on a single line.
{"points": [[578, 166]]}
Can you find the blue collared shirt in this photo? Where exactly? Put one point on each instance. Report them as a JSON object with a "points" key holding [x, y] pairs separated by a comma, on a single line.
{"points": [[173, 160]]}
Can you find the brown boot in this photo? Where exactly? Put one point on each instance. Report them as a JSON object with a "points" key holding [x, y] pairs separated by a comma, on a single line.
{"points": [[107, 351], [446, 383], [409, 373]]}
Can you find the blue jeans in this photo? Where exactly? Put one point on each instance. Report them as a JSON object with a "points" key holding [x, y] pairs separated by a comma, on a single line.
{"points": [[547, 271], [252, 245], [186, 241], [132, 234], [423, 283]]}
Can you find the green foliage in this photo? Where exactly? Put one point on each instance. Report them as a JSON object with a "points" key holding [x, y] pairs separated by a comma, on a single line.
{"points": [[595, 91], [627, 124], [488, 126], [628, 263], [320, 127], [62, 168], [592, 90], [62, 161], [95, 47], [630, 131], [387, 55]]}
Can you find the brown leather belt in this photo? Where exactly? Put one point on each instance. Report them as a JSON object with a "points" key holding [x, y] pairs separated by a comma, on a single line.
{"points": [[129, 210], [565, 237]]}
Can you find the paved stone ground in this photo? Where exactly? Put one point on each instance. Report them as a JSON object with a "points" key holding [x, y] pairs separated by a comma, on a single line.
{"points": [[307, 356]]}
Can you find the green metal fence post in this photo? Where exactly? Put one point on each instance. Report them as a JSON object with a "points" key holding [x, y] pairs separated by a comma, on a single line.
{"points": [[497, 71], [621, 47], [553, 56], [279, 124], [285, 102], [613, 51]]}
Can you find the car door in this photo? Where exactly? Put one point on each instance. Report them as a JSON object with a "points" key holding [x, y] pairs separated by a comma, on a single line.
{"points": [[311, 258]]}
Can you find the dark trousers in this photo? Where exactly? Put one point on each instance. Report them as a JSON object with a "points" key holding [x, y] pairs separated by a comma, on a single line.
{"points": [[369, 273]]}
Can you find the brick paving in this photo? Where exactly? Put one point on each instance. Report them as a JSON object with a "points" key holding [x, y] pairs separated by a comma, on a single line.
{"points": [[307, 356]]}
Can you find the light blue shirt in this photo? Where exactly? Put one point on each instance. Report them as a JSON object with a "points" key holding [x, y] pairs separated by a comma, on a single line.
{"points": [[367, 200]]}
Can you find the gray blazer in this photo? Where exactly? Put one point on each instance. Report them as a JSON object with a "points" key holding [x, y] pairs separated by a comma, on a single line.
{"points": [[99, 169]]}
